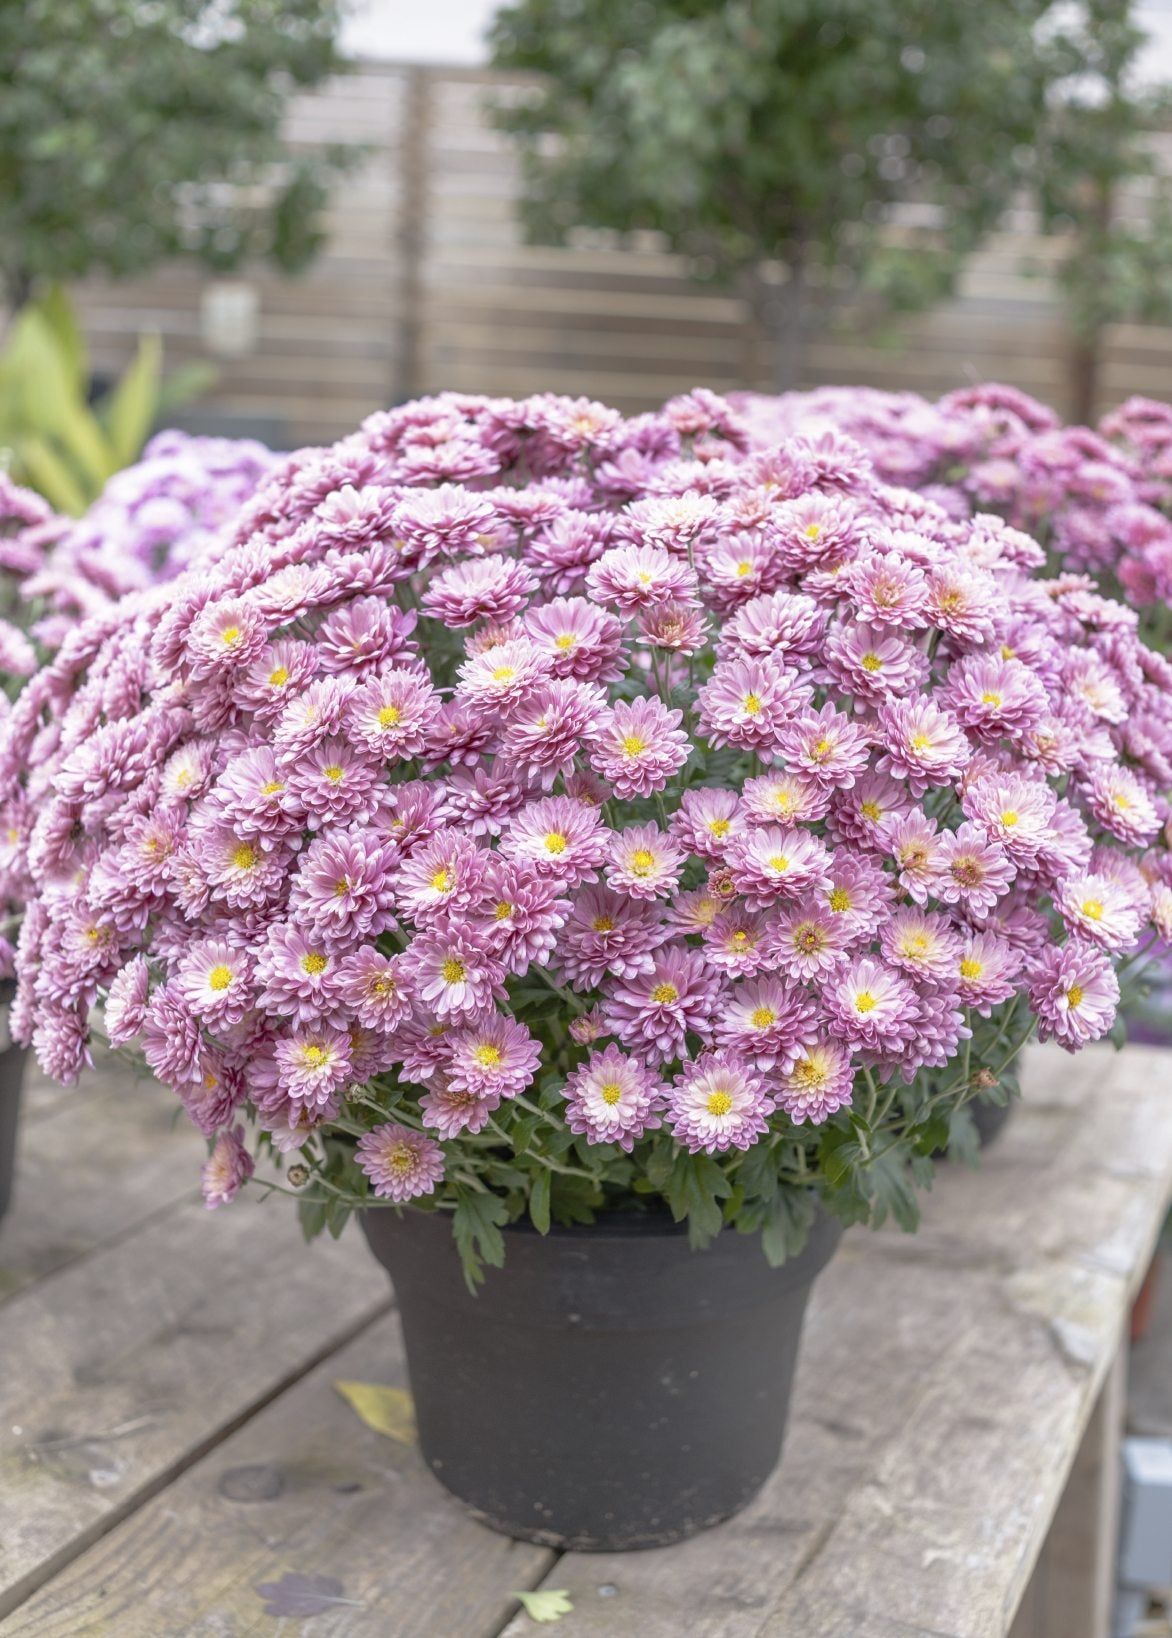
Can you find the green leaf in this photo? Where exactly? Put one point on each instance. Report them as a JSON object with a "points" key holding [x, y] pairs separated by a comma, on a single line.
{"points": [[788, 1226], [387, 1410], [574, 1199], [129, 410], [840, 1152], [545, 1604], [44, 469], [312, 1216], [694, 1192], [886, 1181], [60, 315], [476, 1225], [181, 386], [539, 1201]]}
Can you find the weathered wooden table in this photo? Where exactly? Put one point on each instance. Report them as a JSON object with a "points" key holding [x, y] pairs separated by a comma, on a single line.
{"points": [[174, 1458]]}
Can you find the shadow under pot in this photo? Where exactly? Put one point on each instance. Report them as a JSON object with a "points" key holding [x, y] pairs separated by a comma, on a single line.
{"points": [[608, 1388]]}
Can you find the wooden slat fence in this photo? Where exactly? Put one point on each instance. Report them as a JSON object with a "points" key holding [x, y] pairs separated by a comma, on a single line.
{"points": [[426, 284]]}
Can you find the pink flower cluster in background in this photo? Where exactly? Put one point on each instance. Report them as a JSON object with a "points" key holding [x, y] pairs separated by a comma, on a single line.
{"points": [[1097, 500], [507, 741]]}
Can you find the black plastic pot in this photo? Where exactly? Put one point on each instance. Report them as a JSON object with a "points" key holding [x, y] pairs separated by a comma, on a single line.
{"points": [[609, 1388], [988, 1118], [11, 1076]]}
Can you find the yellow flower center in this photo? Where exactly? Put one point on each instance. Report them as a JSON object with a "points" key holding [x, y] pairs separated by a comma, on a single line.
{"points": [[752, 704], [633, 745], [400, 1158], [279, 676], [970, 967], [555, 842], [871, 662], [740, 938], [230, 635], [488, 1056], [808, 936], [442, 880], [778, 863], [389, 716], [602, 924], [920, 742], [219, 978], [990, 699], [566, 640], [313, 962], [871, 811], [719, 1103], [314, 1056], [333, 773], [743, 569], [665, 994], [1010, 817], [244, 856], [762, 1017], [503, 910], [504, 673], [865, 1001], [271, 788], [812, 531], [1093, 909], [1074, 995], [822, 748], [839, 899], [611, 1092], [642, 862], [810, 1076], [453, 970], [718, 827]]}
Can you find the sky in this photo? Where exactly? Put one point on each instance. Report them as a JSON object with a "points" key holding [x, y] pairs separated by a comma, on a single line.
{"points": [[451, 31]]}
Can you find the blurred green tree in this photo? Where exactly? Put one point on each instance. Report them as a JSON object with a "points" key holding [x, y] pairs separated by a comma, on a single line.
{"points": [[770, 141], [1103, 185], [132, 130]]}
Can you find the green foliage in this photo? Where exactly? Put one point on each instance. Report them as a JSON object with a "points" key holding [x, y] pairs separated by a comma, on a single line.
{"points": [[781, 132], [50, 436], [132, 132], [477, 1227]]}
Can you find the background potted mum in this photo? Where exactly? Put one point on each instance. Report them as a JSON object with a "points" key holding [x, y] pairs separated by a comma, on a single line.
{"points": [[620, 857], [150, 521]]}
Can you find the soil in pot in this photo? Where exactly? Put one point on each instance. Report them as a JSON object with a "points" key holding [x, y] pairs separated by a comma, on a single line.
{"points": [[609, 1388]]}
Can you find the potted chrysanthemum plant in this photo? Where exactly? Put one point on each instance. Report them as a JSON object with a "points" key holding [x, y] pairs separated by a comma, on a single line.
{"points": [[607, 862]]}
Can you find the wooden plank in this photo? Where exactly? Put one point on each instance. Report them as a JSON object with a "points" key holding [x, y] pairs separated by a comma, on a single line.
{"points": [[1072, 1589], [304, 1487], [123, 1369], [105, 1157], [929, 1447]]}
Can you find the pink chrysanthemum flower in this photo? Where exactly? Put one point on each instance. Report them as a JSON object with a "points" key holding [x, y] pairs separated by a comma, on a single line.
{"points": [[827, 746], [296, 975], [631, 578], [921, 944], [766, 1022], [392, 714], [1096, 908], [859, 815], [971, 870], [225, 637], [963, 602], [734, 942], [674, 627], [705, 819], [644, 863], [807, 940], [227, 1169], [365, 635], [613, 1098], [494, 1058], [255, 797], [1075, 994], [1122, 806], [887, 590], [312, 1064], [608, 932], [488, 588], [445, 874], [400, 1163], [240, 871], [578, 639], [125, 1009], [493, 682], [1014, 810], [545, 733], [369, 984], [875, 1009], [334, 783], [343, 887], [748, 700], [450, 1111], [787, 624], [785, 798], [923, 744], [519, 915], [717, 1104], [913, 843], [993, 697], [769, 862], [558, 837], [874, 663], [813, 531], [453, 975], [637, 746], [216, 982], [987, 971], [818, 1083], [657, 1009]]}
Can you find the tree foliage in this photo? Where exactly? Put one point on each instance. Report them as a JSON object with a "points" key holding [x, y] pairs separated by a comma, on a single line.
{"points": [[132, 130]]}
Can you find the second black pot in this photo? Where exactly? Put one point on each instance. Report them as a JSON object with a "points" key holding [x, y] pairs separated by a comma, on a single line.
{"points": [[12, 1061], [609, 1388]]}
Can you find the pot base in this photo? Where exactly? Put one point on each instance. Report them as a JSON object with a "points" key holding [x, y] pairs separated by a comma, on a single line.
{"points": [[607, 1390]]}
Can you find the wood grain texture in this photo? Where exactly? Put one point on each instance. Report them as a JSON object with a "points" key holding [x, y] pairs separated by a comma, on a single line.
{"points": [[944, 1388], [94, 1161], [304, 1488], [121, 1369]]}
